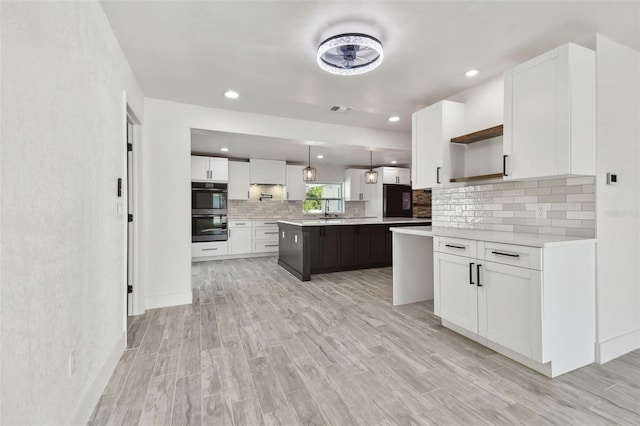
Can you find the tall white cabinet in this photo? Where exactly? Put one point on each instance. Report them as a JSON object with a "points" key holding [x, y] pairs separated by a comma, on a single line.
{"points": [[355, 189], [296, 187], [549, 107], [238, 188], [432, 130]]}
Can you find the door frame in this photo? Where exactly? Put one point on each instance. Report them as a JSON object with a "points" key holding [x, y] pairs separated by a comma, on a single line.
{"points": [[138, 294]]}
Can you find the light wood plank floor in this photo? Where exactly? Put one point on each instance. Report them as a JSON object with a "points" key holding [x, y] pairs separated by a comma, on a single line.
{"points": [[259, 347]]}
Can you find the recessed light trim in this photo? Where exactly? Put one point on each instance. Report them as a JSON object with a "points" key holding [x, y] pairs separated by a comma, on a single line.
{"points": [[231, 94], [394, 162], [394, 119], [320, 156], [224, 149], [471, 73]]}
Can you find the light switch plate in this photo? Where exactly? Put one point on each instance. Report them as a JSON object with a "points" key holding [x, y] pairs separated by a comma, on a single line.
{"points": [[612, 178]]}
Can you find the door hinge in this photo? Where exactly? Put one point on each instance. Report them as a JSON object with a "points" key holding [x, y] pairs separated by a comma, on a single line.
{"points": [[129, 217], [129, 289], [129, 147]]}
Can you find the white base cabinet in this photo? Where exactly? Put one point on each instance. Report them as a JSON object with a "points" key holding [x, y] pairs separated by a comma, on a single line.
{"points": [[533, 304], [240, 240]]}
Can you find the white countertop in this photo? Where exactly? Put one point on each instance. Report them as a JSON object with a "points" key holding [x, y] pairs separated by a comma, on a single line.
{"points": [[362, 221], [530, 240]]}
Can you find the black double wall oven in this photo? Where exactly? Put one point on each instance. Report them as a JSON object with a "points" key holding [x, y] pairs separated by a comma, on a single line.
{"points": [[208, 212]]}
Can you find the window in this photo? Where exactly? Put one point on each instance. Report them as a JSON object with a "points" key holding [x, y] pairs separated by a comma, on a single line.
{"points": [[323, 198]]}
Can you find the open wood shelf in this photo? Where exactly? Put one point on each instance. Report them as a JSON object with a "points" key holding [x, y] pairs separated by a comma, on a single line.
{"points": [[480, 135], [476, 178]]}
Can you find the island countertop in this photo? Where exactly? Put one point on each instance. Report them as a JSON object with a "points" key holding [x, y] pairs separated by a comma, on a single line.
{"points": [[517, 238], [355, 221]]}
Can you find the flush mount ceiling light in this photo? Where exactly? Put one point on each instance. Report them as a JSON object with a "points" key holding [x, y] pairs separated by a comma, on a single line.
{"points": [[370, 176], [471, 73], [231, 94], [309, 173], [349, 54]]}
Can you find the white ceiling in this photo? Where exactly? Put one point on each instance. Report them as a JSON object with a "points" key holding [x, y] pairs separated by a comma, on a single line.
{"points": [[192, 51]]}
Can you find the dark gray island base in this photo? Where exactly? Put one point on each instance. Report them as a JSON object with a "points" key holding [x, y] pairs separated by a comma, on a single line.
{"points": [[317, 246]]}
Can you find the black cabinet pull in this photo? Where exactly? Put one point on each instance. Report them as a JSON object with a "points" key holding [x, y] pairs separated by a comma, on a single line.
{"points": [[438, 174], [478, 274], [504, 165], [454, 246], [471, 273], [505, 254]]}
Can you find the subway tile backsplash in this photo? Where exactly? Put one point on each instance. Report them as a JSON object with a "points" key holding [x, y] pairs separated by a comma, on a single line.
{"points": [[277, 208], [511, 206]]}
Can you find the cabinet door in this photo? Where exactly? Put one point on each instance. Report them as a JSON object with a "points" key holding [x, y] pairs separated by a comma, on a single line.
{"points": [[219, 169], [348, 246], [363, 245], [510, 308], [390, 175], [426, 157], [238, 188], [456, 290], [315, 243], [199, 168], [404, 176], [296, 187], [330, 247], [240, 241]]}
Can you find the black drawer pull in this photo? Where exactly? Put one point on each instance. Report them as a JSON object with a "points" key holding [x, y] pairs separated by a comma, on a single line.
{"points": [[269, 223], [504, 165], [454, 246], [505, 254], [478, 274], [471, 273], [207, 249], [265, 233], [271, 245], [438, 174]]}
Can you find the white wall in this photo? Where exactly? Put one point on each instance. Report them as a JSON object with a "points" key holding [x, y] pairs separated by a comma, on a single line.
{"points": [[63, 256], [166, 201], [618, 217]]}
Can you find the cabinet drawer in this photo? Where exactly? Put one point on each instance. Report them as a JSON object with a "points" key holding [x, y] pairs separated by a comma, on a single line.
{"points": [[457, 246], [267, 234], [272, 222], [509, 254], [265, 246], [239, 223], [214, 248]]}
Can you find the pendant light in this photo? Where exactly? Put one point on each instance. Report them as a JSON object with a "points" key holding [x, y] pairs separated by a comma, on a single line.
{"points": [[371, 176], [309, 173]]}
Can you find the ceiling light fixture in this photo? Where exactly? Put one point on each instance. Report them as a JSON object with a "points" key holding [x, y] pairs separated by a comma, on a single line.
{"points": [[394, 162], [224, 149], [231, 94], [309, 173], [471, 73], [394, 119], [370, 176], [349, 54], [320, 156]]}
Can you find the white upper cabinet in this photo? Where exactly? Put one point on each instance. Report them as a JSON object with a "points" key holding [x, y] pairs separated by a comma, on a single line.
{"points": [[549, 126], [296, 187], [267, 172], [432, 130], [238, 188], [354, 187], [209, 169], [396, 175]]}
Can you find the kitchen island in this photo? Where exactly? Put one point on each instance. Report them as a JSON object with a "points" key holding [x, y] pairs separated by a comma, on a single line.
{"points": [[328, 245]]}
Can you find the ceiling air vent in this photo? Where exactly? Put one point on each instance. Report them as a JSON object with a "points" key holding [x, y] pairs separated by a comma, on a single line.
{"points": [[339, 108]]}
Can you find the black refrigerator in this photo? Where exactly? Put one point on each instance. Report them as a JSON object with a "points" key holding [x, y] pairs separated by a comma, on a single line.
{"points": [[397, 201]]}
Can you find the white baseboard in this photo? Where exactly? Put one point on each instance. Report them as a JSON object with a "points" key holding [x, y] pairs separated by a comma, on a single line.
{"points": [[617, 346], [95, 386], [164, 300]]}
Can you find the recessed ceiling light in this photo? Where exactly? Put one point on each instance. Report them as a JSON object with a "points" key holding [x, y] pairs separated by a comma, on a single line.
{"points": [[232, 94], [320, 156], [224, 149], [394, 162], [394, 118], [471, 73]]}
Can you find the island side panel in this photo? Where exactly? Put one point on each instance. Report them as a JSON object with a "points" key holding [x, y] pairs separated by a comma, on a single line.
{"points": [[412, 268], [294, 251]]}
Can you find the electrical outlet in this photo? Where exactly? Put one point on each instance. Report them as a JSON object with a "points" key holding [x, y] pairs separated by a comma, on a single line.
{"points": [[541, 211], [72, 363]]}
